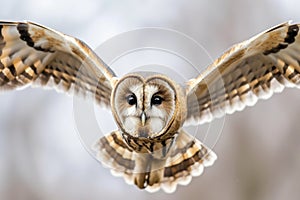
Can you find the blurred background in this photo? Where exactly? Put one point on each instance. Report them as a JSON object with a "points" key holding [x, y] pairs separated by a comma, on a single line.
{"points": [[41, 156]]}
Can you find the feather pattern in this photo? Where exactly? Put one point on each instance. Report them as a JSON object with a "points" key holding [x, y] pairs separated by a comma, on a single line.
{"points": [[150, 149], [31, 54], [186, 158], [251, 70]]}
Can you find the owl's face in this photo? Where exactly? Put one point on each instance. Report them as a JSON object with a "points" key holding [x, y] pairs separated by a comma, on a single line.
{"points": [[144, 107]]}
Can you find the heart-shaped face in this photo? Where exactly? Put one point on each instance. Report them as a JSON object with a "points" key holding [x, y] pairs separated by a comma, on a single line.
{"points": [[143, 107]]}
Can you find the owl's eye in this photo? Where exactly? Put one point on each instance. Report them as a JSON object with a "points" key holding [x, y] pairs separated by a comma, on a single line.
{"points": [[131, 99], [156, 100]]}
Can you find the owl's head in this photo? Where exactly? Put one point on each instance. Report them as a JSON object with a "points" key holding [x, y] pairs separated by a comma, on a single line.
{"points": [[148, 106]]}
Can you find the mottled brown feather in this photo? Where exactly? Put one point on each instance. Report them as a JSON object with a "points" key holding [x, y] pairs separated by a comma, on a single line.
{"points": [[31, 54], [186, 158], [251, 70]]}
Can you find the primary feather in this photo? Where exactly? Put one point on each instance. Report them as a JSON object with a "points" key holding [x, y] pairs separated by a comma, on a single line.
{"points": [[31, 54], [251, 70], [150, 149]]}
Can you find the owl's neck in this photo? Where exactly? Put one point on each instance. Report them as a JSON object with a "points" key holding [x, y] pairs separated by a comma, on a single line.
{"points": [[159, 147]]}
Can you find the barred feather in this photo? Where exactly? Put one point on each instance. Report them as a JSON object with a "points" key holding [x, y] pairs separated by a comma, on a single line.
{"points": [[249, 71], [187, 158], [31, 54]]}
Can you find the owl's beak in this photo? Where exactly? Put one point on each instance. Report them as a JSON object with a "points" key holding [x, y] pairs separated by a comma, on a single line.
{"points": [[143, 118]]}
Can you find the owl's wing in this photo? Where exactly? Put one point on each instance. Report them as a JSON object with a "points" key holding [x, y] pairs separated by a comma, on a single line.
{"points": [[251, 70], [31, 54]]}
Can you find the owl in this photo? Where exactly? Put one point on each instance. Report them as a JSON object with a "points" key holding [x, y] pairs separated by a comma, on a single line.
{"points": [[150, 148]]}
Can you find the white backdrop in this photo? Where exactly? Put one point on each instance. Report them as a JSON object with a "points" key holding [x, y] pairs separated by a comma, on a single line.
{"points": [[41, 156]]}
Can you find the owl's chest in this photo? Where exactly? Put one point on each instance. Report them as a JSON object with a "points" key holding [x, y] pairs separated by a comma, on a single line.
{"points": [[158, 148]]}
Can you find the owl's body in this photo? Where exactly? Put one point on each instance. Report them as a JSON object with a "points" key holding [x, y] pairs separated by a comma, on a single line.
{"points": [[149, 122], [150, 148]]}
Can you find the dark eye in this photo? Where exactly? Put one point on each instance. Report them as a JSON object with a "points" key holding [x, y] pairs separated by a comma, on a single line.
{"points": [[156, 100], [131, 99]]}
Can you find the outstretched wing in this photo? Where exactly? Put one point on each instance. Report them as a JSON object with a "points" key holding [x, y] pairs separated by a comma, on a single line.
{"points": [[33, 54], [251, 70]]}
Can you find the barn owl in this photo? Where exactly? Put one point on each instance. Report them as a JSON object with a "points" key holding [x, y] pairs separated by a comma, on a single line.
{"points": [[150, 148]]}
